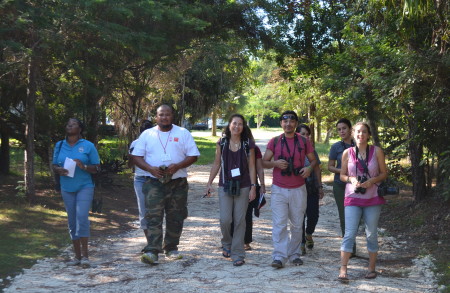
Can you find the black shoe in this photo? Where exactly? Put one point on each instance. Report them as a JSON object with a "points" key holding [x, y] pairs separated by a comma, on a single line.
{"points": [[297, 262], [277, 264]]}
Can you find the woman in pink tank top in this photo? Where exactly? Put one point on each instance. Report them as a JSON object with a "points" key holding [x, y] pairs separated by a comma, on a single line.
{"points": [[363, 169]]}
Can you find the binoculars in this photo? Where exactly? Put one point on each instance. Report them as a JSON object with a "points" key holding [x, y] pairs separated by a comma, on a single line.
{"points": [[290, 169], [361, 179], [233, 188]]}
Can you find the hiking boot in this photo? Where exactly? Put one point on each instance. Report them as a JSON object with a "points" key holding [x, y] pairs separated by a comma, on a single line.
{"points": [[297, 262], [303, 248], [309, 241], [73, 262], [277, 264], [84, 262], [174, 255], [149, 258]]}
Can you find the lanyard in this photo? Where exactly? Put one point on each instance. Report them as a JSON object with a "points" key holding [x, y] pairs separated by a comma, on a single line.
{"points": [[164, 146]]}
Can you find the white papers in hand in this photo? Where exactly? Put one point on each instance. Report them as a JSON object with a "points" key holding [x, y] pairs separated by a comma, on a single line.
{"points": [[70, 165]]}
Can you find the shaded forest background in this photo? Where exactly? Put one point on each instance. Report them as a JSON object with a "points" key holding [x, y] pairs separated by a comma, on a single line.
{"points": [[386, 62]]}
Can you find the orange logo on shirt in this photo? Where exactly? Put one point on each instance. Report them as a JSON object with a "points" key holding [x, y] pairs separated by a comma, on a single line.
{"points": [[176, 139]]}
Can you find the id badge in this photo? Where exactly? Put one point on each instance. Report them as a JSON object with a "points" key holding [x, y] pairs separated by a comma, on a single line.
{"points": [[165, 157], [235, 172]]}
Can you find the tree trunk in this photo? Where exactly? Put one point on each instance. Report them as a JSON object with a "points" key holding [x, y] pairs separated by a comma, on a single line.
{"points": [[4, 150], [213, 123], [312, 113], [319, 129], [416, 154], [29, 129], [372, 117], [328, 136]]}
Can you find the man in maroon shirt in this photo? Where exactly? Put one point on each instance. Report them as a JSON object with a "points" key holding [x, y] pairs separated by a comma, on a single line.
{"points": [[288, 200]]}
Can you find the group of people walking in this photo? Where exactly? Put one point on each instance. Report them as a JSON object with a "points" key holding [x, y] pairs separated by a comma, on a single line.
{"points": [[163, 152]]}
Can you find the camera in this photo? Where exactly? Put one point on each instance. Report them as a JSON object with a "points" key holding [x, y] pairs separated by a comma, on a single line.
{"points": [[233, 187], [385, 189], [361, 179]]}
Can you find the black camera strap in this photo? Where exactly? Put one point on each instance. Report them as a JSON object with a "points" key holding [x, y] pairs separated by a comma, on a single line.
{"points": [[364, 163], [296, 146]]}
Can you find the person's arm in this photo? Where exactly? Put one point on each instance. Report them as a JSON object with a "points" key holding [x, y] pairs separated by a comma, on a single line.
{"points": [[344, 170], [260, 173], [382, 168], [269, 164], [306, 171], [60, 170], [318, 174], [93, 169], [252, 171], [332, 167], [173, 168], [214, 170], [154, 170]]}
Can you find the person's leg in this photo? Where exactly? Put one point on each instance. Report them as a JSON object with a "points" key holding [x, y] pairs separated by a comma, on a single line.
{"points": [[296, 209], [343, 276], [280, 237], [312, 213], [176, 212], [239, 211], [352, 216], [371, 216], [84, 200], [140, 196], [339, 195], [69, 199], [154, 214], [226, 218]]}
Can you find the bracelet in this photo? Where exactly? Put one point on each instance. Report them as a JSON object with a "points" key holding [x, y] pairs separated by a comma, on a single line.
{"points": [[253, 184], [85, 167]]}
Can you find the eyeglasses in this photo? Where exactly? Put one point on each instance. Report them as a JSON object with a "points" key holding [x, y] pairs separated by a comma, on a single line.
{"points": [[286, 117]]}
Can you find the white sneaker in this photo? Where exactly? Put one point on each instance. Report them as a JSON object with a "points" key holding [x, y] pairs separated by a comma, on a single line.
{"points": [[85, 262], [73, 262]]}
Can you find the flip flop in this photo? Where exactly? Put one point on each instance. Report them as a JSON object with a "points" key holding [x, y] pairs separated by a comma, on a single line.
{"points": [[226, 253], [238, 263], [371, 275]]}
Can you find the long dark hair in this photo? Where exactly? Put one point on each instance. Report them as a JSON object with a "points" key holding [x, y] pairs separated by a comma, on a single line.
{"points": [[246, 132]]}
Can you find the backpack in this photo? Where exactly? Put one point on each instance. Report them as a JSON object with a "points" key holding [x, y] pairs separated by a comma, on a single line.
{"points": [[224, 140]]}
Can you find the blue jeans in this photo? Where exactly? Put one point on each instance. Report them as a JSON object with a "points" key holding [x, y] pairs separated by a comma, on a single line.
{"points": [[77, 207], [353, 215], [140, 196]]}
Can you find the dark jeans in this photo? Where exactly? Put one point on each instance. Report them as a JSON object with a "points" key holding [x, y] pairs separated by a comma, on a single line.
{"points": [[312, 213]]}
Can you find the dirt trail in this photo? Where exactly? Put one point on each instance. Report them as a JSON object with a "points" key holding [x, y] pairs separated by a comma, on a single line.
{"points": [[116, 266]]}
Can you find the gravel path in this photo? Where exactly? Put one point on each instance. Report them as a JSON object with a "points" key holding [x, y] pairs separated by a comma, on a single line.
{"points": [[116, 266]]}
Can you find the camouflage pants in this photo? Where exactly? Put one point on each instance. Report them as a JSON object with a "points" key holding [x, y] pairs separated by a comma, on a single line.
{"points": [[169, 199]]}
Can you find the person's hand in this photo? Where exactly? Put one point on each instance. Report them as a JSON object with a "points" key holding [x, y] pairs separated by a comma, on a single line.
{"points": [[80, 164], [252, 194], [209, 190], [61, 171], [262, 190], [305, 172], [155, 171], [366, 184], [172, 169], [281, 164]]}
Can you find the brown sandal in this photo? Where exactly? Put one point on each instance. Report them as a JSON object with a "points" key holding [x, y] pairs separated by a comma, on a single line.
{"points": [[371, 275], [343, 278]]}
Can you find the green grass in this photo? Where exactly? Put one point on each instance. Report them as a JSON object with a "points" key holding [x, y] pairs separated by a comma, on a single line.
{"points": [[207, 148], [29, 233]]}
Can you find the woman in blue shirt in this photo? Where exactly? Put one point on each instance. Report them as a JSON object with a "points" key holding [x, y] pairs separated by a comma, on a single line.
{"points": [[77, 189]]}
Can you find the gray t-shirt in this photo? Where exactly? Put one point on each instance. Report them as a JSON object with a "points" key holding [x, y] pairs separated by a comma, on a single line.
{"points": [[336, 154]]}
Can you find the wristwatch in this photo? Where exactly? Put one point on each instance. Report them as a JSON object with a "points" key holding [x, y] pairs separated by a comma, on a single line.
{"points": [[85, 167], [253, 184]]}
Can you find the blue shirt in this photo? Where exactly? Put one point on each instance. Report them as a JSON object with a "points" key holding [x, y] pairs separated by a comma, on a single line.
{"points": [[336, 151], [84, 151]]}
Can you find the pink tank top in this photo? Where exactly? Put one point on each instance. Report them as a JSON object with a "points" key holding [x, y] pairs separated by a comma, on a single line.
{"points": [[370, 197]]}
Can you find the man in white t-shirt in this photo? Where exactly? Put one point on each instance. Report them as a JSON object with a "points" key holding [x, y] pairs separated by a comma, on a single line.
{"points": [[165, 151]]}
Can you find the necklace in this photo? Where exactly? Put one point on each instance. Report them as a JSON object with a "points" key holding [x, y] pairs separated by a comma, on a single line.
{"points": [[235, 145]]}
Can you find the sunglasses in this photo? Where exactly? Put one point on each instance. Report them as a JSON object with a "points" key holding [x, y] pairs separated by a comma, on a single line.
{"points": [[286, 117]]}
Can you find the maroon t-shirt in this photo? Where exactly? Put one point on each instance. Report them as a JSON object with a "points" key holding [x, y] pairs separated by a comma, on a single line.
{"points": [[232, 160]]}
